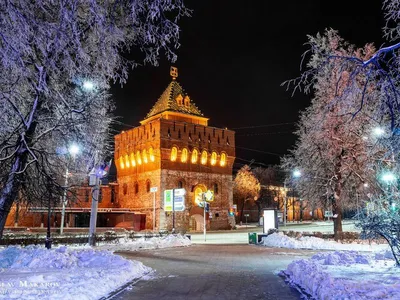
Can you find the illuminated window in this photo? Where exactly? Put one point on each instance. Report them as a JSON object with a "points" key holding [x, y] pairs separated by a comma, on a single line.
{"points": [[151, 154], [138, 158], [127, 163], [213, 158], [223, 160], [195, 155], [184, 155], [121, 163], [174, 153], [144, 156], [179, 99], [198, 192], [133, 161], [204, 155], [187, 101]]}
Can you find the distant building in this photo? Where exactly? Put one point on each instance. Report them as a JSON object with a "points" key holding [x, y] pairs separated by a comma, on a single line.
{"points": [[173, 148]]}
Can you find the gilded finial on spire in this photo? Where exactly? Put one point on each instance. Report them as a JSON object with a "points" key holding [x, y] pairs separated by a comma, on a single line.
{"points": [[173, 72]]}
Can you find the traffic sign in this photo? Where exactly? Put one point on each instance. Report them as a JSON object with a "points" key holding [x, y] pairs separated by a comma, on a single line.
{"points": [[209, 195], [179, 199], [153, 189]]}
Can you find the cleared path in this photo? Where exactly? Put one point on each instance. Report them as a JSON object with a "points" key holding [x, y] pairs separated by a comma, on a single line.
{"points": [[212, 271]]}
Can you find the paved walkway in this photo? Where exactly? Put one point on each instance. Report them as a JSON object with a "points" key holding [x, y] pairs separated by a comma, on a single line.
{"points": [[214, 272]]}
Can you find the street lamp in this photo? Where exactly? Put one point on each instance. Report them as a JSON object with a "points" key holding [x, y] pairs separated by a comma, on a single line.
{"points": [[378, 131], [73, 150], [296, 174], [88, 85]]}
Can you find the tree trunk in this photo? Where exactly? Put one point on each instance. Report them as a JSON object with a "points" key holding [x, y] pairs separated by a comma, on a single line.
{"points": [[337, 205], [241, 211], [10, 191]]}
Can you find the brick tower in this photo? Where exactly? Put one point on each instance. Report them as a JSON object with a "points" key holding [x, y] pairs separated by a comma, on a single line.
{"points": [[175, 148]]}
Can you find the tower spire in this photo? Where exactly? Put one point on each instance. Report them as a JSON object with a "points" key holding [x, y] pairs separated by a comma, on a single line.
{"points": [[173, 72]]}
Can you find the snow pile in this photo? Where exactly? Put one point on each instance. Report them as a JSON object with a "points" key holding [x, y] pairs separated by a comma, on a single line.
{"points": [[346, 275], [148, 243], [38, 273], [309, 242]]}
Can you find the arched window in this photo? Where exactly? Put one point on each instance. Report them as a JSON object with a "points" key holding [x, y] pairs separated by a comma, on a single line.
{"points": [[222, 162], [148, 186], [133, 161], [184, 155], [136, 187], [125, 189], [127, 163], [215, 188], [144, 156], [213, 158], [121, 163], [204, 156], [174, 153], [180, 184], [151, 155], [138, 158], [195, 155], [187, 101]]}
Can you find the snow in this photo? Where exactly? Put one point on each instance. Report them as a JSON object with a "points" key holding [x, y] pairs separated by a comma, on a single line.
{"points": [[346, 271], [78, 272]]}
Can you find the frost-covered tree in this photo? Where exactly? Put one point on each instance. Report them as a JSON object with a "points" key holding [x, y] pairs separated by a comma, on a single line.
{"points": [[332, 149], [57, 60], [246, 187]]}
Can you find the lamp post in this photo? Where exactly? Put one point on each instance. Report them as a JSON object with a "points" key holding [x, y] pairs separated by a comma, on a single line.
{"points": [[73, 151]]}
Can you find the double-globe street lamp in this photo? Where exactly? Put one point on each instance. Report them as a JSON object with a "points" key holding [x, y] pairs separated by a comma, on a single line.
{"points": [[296, 174]]}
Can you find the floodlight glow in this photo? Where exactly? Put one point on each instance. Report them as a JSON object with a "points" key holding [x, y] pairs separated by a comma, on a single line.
{"points": [[296, 173], [88, 85], [378, 131], [73, 149], [366, 185], [388, 177]]}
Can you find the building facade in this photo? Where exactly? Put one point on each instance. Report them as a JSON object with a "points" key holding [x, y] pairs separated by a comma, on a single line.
{"points": [[174, 148]]}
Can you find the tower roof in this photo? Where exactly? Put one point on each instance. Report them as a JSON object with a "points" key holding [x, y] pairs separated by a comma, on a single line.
{"points": [[174, 99]]}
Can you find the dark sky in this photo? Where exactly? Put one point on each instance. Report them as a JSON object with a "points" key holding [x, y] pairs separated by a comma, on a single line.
{"points": [[234, 55]]}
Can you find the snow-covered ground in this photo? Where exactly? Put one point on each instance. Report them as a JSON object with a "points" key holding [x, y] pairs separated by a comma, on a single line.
{"points": [[78, 272], [350, 271]]}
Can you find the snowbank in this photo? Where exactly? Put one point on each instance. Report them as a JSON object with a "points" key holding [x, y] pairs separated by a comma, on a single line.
{"points": [[35, 272]]}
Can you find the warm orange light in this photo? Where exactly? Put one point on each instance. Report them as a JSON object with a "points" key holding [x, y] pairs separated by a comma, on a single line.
{"points": [[138, 158], [144, 156], [174, 153], [184, 155], [222, 162], [195, 155], [127, 164], [151, 154], [204, 156], [121, 162], [213, 158], [133, 161]]}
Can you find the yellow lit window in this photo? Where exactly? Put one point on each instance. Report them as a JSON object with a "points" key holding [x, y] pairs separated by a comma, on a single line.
{"points": [[121, 162], [138, 158], [144, 156], [127, 164], [151, 154], [204, 155], [195, 155], [223, 160], [213, 158], [133, 161], [174, 153], [184, 155]]}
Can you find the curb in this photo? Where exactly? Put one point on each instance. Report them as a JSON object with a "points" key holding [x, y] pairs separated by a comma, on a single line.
{"points": [[123, 287]]}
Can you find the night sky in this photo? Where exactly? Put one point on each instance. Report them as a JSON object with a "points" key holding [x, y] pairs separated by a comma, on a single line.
{"points": [[232, 61]]}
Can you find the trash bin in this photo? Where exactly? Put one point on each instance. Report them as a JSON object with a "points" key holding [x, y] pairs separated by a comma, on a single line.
{"points": [[252, 237]]}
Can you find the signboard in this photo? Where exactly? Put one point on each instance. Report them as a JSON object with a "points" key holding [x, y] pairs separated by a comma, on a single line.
{"points": [[153, 189], [179, 199], [168, 200], [328, 213], [209, 195], [270, 220]]}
